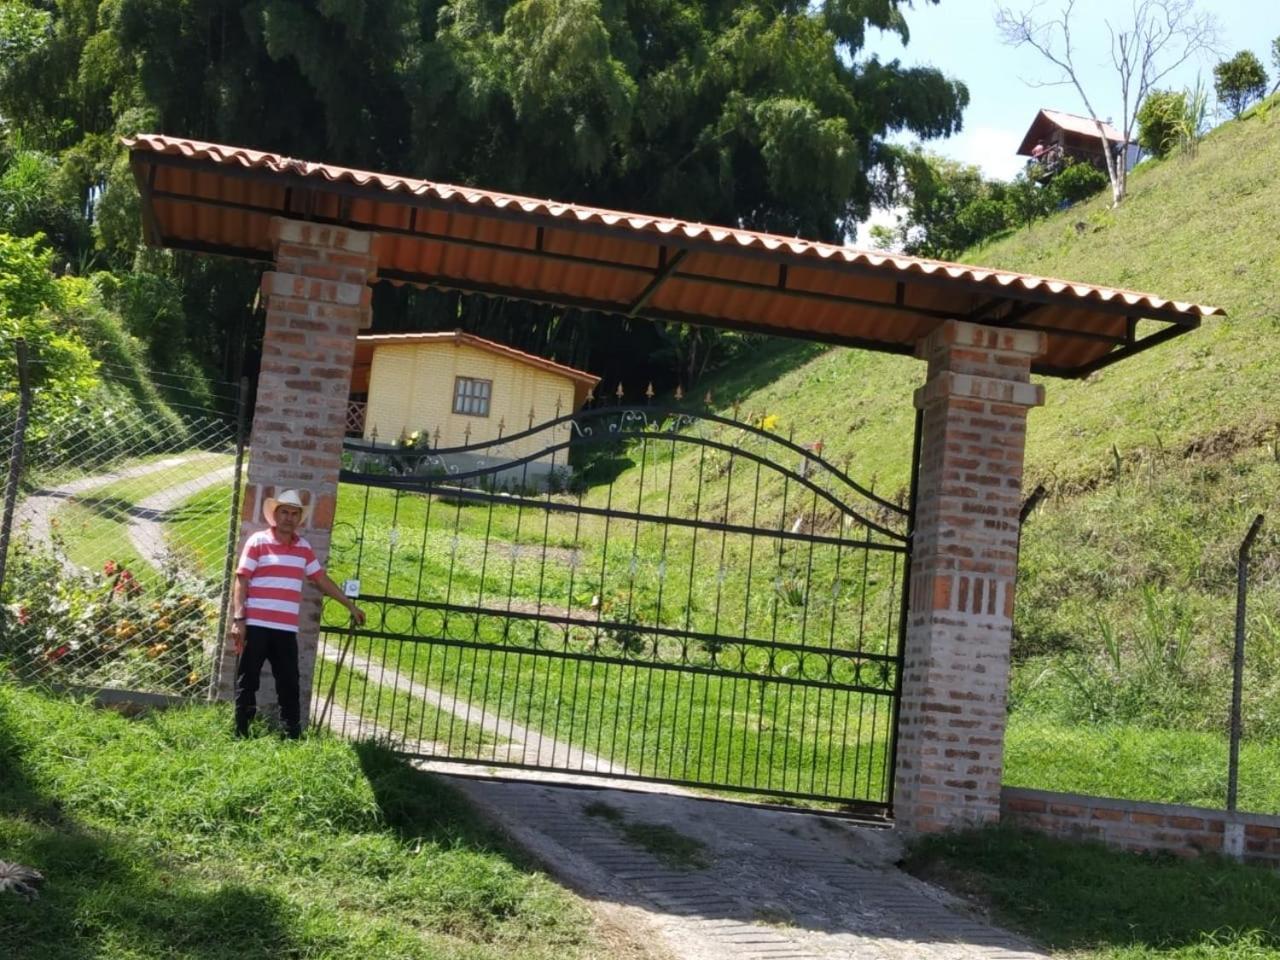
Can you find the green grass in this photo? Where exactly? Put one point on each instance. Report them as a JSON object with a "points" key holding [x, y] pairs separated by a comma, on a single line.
{"points": [[197, 529], [1092, 902], [1139, 763], [397, 712], [164, 837]]}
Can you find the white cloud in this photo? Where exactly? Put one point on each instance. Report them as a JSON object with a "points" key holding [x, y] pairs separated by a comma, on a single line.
{"points": [[991, 148]]}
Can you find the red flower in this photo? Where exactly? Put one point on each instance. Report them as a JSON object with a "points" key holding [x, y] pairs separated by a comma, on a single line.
{"points": [[110, 567], [59, 653], [24, 615]]}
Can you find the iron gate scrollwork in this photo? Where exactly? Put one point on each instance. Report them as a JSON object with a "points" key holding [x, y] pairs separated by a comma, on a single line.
{"points": [[632, 592]]}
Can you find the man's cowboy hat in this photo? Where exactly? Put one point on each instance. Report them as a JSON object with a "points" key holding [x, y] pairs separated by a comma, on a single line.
{"points": [[286, 498]]}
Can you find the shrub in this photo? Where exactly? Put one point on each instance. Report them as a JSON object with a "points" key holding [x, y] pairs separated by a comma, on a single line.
{"points": [[74, 626], [1158, 121], [1079, 181]]}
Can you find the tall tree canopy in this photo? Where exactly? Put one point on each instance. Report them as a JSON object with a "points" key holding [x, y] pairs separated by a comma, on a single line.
{"points": [[770, 114]]}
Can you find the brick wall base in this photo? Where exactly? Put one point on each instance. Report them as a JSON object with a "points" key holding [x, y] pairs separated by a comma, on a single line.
{"points": [[1150, 827]]}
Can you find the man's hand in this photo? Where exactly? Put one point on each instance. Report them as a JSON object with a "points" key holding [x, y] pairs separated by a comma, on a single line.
{"points": [[237, 636], [356, 614]]}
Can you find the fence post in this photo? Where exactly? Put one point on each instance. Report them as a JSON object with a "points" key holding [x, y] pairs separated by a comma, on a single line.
{"points": [[1237, 662], [233, 538], [16, 454]]}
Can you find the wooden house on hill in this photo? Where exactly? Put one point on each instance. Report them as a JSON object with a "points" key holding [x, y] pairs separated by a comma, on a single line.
{"points": [[1055, 138]]}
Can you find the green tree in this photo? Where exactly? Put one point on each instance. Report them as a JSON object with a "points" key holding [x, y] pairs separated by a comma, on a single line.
{"points": [[1239, 81], [31, 301], [1158, 121], [758, 113], [1275, 61], [1027, 201], [947, 206]]}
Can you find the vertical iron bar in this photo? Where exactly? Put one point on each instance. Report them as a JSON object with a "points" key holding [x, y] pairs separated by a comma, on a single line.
{"points": [[16, 451], [364, 690], [746, 630], [905, 604], [233, 538], [475, 630], [575, 559], [632, 567], [460, 653], [393, 538], [564, 666], [657, 622], [1237, 661], [417, 595]]}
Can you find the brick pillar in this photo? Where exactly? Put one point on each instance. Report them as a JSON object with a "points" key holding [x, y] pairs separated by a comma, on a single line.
{"points": [[964, 564], [317, 299]]}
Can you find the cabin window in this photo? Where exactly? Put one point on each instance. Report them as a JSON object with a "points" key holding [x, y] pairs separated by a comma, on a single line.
{"points": [[471, 397]]}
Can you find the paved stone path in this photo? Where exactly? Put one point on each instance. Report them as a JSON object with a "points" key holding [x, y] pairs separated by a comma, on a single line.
{"points": [[780, 885]]}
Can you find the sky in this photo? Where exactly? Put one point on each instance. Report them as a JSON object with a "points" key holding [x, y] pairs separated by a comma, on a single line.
{"points": [[960, 38]]}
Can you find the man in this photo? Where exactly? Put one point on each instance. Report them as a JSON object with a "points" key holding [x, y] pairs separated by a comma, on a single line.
{"points": [[264, 604]]}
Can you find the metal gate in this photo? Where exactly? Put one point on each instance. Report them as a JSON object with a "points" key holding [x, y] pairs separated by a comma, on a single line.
{"points": [[638, 593]]}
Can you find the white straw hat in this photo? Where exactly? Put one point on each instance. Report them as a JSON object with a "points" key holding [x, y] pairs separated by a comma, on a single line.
{"points": [[288, 498]]}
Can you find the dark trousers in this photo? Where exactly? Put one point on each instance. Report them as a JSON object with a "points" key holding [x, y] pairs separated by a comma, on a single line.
{"points": [[280, 649]]}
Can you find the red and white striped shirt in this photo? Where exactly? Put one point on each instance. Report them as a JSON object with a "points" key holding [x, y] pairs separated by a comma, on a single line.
{"points": [[275, 570]]}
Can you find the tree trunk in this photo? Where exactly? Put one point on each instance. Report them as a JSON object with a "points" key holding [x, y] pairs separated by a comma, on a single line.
{"points": [[1115, 170]]}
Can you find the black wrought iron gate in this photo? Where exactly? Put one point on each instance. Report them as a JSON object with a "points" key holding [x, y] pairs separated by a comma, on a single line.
{"points": [[637, 593]]}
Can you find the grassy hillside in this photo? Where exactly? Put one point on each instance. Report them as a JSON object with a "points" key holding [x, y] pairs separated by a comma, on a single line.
{"points": [[1200, 229], [1155, 468]]}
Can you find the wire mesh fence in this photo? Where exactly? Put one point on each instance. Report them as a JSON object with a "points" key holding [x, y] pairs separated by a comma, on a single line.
{"points": [[1172, 700], [116, 571]]}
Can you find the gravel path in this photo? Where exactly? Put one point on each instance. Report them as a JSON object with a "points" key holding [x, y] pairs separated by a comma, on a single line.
{"points": [[146, 518]]}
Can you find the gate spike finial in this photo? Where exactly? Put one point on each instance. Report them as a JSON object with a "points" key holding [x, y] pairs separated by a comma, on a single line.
{"points": [[502, 425], [679, 393], [707, 398], [591, 396], [531, 416], [466, 435], [648, 391], [373, 436], [557, 407], [618, 393], [436, 435]]}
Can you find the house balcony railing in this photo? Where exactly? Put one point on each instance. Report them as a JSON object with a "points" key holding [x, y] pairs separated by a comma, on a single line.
{"points": [[356, 410]]}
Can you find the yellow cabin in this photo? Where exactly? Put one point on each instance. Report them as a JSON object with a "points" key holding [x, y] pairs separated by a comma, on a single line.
{"points": [[454, 389]]}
